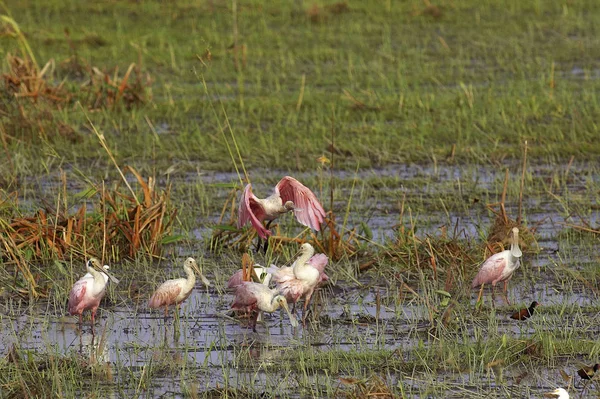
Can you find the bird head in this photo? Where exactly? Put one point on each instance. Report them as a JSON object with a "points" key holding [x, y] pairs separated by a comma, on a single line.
{"points": [[307, 248], [535, 304], [282, 302], [289, 206], [96, 265], [190, 263]]}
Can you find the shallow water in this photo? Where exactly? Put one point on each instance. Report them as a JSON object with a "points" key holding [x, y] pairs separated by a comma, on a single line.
{"points": [[224, 352]]}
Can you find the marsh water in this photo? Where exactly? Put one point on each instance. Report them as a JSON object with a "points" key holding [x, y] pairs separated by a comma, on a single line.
{"points": [[354, 312]]}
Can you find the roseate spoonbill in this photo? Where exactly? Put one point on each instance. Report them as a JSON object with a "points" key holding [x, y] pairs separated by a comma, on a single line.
{"points": [[587, 373], [525, 313], [500, 267], [173, 292], [300, 280], [558, 393], [253, 297], [289, 195], [89, 290]]}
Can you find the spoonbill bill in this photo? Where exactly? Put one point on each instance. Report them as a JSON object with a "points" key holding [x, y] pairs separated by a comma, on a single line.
{"points": [[500, 267], [254, 297], [289, 195], [525, 313], [173, 292], [558, 393], [300, 280], [89, 290]]}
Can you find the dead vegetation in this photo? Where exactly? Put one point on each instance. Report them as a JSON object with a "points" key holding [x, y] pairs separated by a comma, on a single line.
{"points": [[30, 95], [373, 387], [118, 225]]}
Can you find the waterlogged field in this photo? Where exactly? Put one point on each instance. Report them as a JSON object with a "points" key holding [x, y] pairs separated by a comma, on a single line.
{"points": [[128, 130]]}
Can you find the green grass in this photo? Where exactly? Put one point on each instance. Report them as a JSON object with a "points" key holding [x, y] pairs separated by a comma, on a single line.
{"points": [[456, 89], [481, 77]]}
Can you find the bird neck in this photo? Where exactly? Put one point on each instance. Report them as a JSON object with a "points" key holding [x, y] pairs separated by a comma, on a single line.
{"points": [[100, 279], [190, 281], [300, 265]]}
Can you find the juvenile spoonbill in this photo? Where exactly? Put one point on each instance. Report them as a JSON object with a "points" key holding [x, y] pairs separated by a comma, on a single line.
{"points": [[300, 280], [289, 195], [254, 297], [88, 291], [173, 292], [500, 267], [525, 313]]}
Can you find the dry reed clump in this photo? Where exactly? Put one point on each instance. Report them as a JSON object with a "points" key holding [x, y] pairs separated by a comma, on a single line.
{"points": [[373, 387], [119, 224], [109, 90]]}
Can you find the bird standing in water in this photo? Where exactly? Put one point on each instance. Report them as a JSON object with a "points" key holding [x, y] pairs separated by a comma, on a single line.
{"points": [[525, 313], [88, 291], [587, 373], [289, 195], [500, 267], [300, 280], [173, 292], [254, 297]]}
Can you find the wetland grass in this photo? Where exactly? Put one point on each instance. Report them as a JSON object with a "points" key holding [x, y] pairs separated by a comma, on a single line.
{"points": [[430, 105]]}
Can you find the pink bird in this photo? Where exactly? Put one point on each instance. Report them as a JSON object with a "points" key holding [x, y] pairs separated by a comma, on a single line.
{"points": [[173, 292], [289, 195], [300, 280], [500, 267], [255, 297], [88, 291]]}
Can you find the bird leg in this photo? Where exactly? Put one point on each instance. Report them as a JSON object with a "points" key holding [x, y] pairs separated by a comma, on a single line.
{"points": [[81, 321], [266, 240], [506, 292], [253, 320], [93, 320], [166, 313], [305, 308]]}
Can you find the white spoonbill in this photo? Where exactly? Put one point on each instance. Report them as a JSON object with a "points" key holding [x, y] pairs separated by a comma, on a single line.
{"points": [[254, 297], [558, 393], [89, 290], [289, 195], [173, 292], [500, 267], [300, 280]]}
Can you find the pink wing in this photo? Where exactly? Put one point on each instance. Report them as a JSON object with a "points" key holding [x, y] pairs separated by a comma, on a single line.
{"points": [[164, 295], [236, 279], [319, 261], [287, 283], [310, 212], [76, 296], [490, 270], [245, 298], [251, 210]]}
